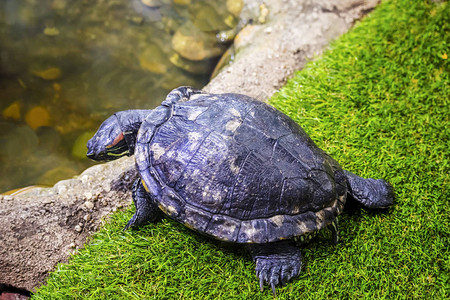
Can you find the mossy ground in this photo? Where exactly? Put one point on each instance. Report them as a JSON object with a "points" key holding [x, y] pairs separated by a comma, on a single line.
{"points": [[378, 102]]}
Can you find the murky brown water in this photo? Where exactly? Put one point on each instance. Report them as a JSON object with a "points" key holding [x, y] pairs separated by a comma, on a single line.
{"points": [[66, 65]]}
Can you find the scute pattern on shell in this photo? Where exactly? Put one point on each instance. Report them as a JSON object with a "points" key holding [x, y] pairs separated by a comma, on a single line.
{"points": [[237, 169]]}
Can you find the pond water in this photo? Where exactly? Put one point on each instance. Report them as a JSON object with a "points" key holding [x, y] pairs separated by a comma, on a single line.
{"points": [[65, 66]]}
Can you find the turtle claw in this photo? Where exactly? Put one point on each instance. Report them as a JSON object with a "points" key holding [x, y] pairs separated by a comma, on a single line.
{"points": [[130, 223], [273, 284], [276, 264], [273, 289], [276, 270]]}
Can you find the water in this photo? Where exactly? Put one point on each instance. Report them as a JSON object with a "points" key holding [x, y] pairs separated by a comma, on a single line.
{"points": [[65, 66]]}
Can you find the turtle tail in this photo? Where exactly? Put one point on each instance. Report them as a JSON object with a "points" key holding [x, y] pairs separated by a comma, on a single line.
{"points": [[372, 193]]}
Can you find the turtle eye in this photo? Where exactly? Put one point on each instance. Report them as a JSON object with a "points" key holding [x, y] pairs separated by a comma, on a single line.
{"points": [[119, 138]]}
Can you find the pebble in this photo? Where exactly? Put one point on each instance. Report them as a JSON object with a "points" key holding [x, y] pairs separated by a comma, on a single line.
{"points": [[107, 188], [37, 116], [48, 74], [153, 59], [72, 245], [88, 195], [194, 44], [89, 204], [48, 200], [87, 217], [85, 179], [60, 188], [78, 228], [51, 31], [137, 20], [263, 13], [79, 146], [12, 111], [151, 3], [235, 7], [268, 30]]}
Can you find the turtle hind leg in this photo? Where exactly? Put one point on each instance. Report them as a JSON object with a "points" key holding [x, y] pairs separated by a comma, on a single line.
{"points": [[372, 193], [276, 263], [146, 210], [333, 227]]}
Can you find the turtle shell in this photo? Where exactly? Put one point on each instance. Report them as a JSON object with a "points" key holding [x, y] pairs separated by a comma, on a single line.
{"points": [[237, 169]]}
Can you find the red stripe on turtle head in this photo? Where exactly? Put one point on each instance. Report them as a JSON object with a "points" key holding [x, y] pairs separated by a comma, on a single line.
{"points": [[119, 138]]}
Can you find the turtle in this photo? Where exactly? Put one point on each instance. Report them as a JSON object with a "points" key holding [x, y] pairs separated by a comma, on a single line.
{"points": [[235, 169]]}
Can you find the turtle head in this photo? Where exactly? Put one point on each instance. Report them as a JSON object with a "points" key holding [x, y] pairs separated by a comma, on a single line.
{"points": [[116, 137]]}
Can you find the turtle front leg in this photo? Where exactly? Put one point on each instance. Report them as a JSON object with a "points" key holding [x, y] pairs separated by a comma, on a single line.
{"points": [[146, 209], [276, 263]]}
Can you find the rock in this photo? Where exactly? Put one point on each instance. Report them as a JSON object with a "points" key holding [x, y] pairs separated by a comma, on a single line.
{"points": [[87, 217], [48, 74], [48, 201], [61, 187], [33, 231], [263, 13], [79, 146], [213, 16], [153, 59], [13, 296], [89, 204], [190, 66], [88, 195], [151, 3], [37, 116], [224, 60], [12, 111], [235, 7], [226, 36], [8, 198], [182, 2], [246, 36], [194, 44], [51, 31]]}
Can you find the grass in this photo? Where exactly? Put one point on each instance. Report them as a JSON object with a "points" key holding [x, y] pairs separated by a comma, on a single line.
{"points": [[378, 102]]}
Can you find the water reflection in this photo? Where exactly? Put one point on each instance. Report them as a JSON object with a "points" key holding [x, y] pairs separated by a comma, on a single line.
{"points": [[67, 65]]}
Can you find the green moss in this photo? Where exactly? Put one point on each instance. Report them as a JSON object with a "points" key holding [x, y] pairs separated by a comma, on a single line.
{"points": [[378, 102]]}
